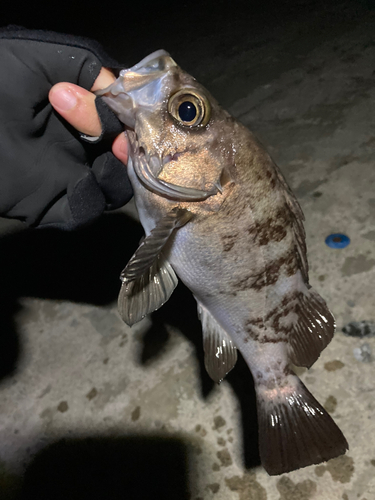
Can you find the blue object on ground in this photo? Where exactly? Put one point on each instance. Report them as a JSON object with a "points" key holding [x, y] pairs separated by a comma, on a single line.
{"points": [[337, 240]]}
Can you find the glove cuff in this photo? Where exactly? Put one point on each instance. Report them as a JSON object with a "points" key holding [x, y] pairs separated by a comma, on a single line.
{"points": [[111, 125], [113, 180]]}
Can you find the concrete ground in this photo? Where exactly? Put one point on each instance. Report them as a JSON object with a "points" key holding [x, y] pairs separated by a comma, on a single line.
{"points": [[90, 408]]}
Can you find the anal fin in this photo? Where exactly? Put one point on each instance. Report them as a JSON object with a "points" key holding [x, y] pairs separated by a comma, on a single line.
{"points": [[220, 354], [312, 331], [295, 430]]}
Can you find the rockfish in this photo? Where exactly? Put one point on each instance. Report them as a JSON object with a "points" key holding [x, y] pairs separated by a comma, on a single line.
{"points": [[218, 213]]}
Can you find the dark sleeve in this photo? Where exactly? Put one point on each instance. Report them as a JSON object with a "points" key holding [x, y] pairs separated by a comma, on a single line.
{"points": [[49, 175]]}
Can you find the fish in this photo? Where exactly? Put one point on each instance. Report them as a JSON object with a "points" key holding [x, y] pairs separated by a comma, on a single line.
{"points": [[218, 215]]}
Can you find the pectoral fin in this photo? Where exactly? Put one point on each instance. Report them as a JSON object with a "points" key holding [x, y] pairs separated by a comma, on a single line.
{"points": [[148, 292], [220, 354], [148, 279], [152, 245]]}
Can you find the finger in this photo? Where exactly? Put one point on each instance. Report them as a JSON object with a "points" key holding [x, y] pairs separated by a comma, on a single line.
{"points": [[120, 148], [77, 106], [104, 79]]}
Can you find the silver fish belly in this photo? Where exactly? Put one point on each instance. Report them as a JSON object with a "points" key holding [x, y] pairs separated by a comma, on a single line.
{"points": [[218, 214]]}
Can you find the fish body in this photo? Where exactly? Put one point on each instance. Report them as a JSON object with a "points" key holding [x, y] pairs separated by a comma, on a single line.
{"points": [[218, 213]]}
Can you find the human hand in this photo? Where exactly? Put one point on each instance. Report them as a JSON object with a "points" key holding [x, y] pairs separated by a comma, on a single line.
{"points": [[77, 106], [50, 174]]}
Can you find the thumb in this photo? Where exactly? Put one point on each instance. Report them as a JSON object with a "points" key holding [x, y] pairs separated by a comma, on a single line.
{"points": [[77, 106]]}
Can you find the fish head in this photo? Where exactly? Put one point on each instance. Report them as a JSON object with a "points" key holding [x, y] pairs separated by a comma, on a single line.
{"points": [[180, 138]]}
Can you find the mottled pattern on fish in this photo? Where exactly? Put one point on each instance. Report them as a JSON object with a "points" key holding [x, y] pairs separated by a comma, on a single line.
{"points": [[240, 249]]}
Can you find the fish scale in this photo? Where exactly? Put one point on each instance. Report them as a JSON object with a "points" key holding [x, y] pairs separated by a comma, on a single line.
{"points": [[219, 215]]}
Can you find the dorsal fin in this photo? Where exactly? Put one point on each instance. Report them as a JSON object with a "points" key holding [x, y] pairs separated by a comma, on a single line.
{"points": [[297, 219]]}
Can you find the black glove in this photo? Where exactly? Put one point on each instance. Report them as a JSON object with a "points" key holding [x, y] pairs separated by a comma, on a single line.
{"points": [[49, 175]]}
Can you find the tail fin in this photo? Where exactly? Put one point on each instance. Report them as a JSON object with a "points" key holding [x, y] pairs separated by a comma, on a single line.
{"points": [[294, 429]]}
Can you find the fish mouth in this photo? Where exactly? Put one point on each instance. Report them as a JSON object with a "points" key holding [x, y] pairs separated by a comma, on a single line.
{"points": [[141, 81], [148, 167], [139, 88]]}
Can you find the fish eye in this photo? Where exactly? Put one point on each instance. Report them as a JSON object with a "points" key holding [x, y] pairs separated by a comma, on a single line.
{"points": [[189, 108], [187, 111]]}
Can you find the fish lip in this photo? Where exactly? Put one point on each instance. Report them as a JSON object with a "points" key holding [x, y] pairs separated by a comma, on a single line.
{"points": [[143, 170], [145, 62], [125, 95]]}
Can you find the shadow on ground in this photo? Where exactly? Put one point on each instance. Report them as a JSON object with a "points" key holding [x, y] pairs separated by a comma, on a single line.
{"points": [[126, 468], [84, 267], [80, 266]]}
